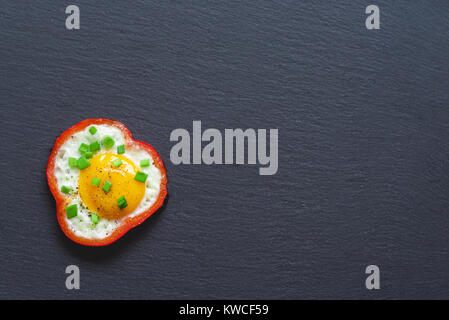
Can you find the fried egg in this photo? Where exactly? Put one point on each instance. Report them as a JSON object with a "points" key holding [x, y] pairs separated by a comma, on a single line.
{"points": [[108, 180]]}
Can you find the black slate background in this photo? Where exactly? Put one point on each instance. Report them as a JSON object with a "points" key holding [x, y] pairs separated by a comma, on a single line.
{"points": [[363, 146]]}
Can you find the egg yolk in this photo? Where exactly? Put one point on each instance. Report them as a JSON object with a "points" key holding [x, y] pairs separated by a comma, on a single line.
{"points": [[122, 183]]}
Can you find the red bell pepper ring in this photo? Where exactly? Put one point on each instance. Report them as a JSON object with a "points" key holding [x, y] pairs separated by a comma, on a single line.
{"points": [[62, 201]]}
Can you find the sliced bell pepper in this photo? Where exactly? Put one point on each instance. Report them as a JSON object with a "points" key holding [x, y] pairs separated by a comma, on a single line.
{"points": [[62, 201]]}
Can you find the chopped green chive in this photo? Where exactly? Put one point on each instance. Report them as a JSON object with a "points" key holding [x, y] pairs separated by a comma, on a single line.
{"points": [[92, 130], [73, 163], [71, 211], [95, 181], [108, 142], [94, 146], [121, 149], [117, 162], [121, 202], [94, 218], [65, 189], [83, 148], [140, 176], [88, 154], [145, 163], [83, 163], [106, 186]]}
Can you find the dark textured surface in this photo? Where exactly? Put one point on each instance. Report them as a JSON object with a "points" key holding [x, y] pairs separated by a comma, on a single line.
{"points": [[363, 149]]}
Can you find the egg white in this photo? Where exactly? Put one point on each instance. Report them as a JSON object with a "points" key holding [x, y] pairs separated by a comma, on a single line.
{"points": [[82, 225]]}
